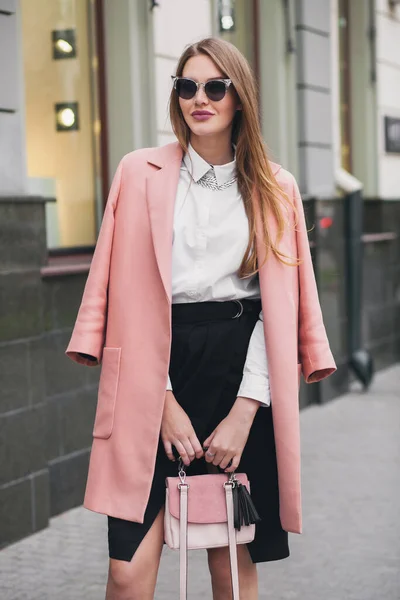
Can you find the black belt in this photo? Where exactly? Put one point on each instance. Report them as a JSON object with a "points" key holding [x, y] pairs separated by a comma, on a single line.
{"points": [[189, 312]]}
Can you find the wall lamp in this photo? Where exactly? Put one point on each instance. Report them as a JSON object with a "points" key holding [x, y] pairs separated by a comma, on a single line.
{"points": [[64, 43], [67, 116], [226, 15]]}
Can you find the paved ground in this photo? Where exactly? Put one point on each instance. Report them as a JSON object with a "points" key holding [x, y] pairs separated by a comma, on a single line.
{"points": [[350, 549]]}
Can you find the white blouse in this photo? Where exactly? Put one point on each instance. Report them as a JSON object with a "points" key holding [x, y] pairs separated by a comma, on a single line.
{"points": [[210, 236]]}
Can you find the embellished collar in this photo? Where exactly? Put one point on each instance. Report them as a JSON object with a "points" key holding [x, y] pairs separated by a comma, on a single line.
{"points": [[198, 167]]}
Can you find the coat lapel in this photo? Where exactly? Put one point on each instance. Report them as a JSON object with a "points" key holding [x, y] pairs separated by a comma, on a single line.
{"points": [[160, 195]]}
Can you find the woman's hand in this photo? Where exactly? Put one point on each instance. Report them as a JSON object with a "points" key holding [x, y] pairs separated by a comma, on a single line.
{"points": [[177, 430], [227, 441]]}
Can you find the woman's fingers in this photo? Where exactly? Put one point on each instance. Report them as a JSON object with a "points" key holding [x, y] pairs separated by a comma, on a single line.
{"points": [[226, 460], [193, 439], [211, 454], [168, 450], [182, 452], [234, 465], [185, 450], [192, 445], [208, 441], [208, 454], [191, 448], [218, 458]]}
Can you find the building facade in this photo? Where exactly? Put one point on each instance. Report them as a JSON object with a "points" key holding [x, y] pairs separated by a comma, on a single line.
{"points": [[83, 82]]}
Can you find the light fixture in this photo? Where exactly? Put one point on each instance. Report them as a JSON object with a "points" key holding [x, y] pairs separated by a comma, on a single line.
{"points": [[226, 15], [64, 43], [67, 116]]}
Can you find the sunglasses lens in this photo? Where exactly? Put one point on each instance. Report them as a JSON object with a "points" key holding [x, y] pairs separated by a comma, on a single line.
{"points": [[186, 88], [215, 90]]}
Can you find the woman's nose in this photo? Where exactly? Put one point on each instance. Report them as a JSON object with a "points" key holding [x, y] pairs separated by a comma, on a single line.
{"points": [[201, 96]]}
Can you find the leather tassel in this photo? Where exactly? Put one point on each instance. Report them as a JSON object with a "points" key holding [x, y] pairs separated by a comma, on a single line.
{"points": [[236, 509], [244, 507], [245, 513]]}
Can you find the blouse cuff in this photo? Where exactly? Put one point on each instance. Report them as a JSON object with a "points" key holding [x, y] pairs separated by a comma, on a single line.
{"points": [[255, 387]]}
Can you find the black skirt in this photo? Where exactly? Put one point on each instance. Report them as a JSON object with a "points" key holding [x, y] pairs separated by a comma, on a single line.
{"points": [[208, 353]]}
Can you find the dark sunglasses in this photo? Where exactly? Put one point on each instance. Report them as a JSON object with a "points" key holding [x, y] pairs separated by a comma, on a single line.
{"points": [[215, 89]]}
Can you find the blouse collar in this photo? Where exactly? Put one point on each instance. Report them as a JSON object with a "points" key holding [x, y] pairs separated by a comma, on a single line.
{"points": [[198, 167]]}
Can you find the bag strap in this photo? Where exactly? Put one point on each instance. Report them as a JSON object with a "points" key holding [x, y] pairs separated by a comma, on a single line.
{"points": [[183, 524], [183, 557], [232, 541]]}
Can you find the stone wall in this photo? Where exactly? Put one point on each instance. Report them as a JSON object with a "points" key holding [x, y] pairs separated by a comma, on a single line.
{"points": [[71, 394], [47, 402], [24, 473]]}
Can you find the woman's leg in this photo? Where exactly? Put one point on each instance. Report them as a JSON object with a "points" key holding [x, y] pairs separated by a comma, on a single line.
{"points": [[219, 565], [136, 580]]}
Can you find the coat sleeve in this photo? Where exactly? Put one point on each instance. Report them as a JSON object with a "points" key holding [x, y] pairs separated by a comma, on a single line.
{"points": [[88, 335], [314, 351]]}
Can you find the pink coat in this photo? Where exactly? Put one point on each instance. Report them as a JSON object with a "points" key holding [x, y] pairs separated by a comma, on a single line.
{"points": [[125, 322]]}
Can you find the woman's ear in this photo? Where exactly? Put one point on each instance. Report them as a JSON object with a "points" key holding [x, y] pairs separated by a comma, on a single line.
{"points": [[239, 107]]}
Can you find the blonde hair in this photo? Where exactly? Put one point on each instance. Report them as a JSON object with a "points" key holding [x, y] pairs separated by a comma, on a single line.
{"points": [[252, 165]]}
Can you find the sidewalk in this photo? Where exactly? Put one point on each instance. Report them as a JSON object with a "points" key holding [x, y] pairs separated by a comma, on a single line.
{"points": [[350, 549]]}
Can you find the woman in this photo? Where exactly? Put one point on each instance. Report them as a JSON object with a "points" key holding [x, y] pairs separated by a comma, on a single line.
{"points": [[202, 270]]}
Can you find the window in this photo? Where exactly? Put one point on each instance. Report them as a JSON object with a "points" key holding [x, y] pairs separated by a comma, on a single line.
{"points": [[62, 112]]}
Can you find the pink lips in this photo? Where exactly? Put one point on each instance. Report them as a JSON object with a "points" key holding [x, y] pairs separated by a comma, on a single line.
{"points": [[201, 115]]}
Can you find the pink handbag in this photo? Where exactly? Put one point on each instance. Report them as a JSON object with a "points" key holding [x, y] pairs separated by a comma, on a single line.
{"points": [[208, 511]]}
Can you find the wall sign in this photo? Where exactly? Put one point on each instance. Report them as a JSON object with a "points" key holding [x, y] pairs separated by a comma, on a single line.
{"points": [[392, 134]]}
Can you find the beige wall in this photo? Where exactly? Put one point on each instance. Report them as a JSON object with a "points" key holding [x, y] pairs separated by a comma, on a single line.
{"points": [[65, 156]]}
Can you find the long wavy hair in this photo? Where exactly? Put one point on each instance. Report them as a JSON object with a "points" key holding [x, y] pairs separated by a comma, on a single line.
{"points": [[252, 165]]}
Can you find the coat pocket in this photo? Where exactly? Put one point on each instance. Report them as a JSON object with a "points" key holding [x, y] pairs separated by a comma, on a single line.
{"points": [[108, 385]]}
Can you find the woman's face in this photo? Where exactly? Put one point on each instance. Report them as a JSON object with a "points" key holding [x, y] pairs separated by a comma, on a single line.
{"points": [[201, 68]]}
